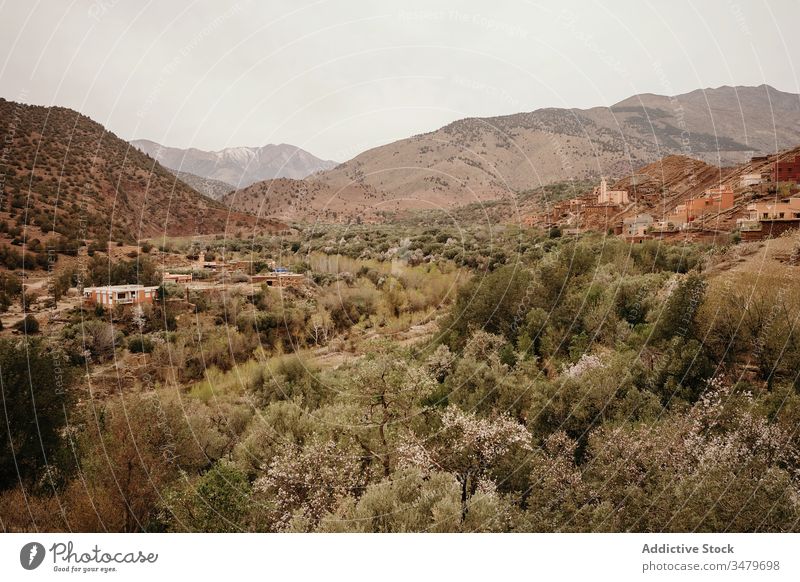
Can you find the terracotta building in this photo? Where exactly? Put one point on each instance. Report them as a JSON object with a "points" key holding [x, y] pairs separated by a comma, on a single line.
{"points": [[787, 170], [112, 295], [178, 277], [788, 209], [714, 200]]}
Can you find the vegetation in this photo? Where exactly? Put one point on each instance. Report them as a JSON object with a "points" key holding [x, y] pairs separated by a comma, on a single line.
{"points": [[424, 380]]}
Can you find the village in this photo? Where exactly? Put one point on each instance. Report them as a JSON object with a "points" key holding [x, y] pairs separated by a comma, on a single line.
{"points": [[755, 201], [214, 278], [182, 281]]}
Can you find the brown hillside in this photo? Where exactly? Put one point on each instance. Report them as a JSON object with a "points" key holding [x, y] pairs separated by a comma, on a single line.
{"points": [[64, 173], [659, 187], [479, 159]]}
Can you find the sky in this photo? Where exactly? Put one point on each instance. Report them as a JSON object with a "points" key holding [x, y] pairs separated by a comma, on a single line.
{"points": [[339, 77]]}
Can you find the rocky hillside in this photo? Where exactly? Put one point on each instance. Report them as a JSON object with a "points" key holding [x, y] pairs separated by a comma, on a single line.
{"points": [[239, 166], [678, 178], [479, 159], [214, 189], [64, 173]]}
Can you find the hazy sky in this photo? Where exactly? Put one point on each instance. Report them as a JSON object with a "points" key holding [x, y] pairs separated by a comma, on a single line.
{"points": [[339, 77]]}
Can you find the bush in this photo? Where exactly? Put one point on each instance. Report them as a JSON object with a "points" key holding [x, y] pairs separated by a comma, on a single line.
{"points": [[28, 325], [140, 345]]}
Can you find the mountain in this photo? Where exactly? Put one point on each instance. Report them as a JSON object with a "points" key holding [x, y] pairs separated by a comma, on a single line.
{"points": [[214, 189], [64, 173], [240, 166], [475, 160]]}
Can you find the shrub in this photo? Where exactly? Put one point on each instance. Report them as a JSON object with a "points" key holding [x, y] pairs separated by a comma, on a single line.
{"points": [[140, 345], [28, 325]]}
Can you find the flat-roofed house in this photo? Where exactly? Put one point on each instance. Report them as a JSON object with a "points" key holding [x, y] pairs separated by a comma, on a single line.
{"points": [[787, 170], [714, 200], [178, 277], [788, 209], [113, 295], [678, 217], [748, 180], [279, 279], [637, 226]]}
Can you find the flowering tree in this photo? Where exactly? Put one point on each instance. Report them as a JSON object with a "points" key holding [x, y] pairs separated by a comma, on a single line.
{"points": [[469, 447], [386, 391], [304, 483]]}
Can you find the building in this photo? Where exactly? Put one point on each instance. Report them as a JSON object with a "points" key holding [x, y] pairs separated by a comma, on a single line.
{"points": [[113, 295], [665, 226], [713, 201], [678, 218], [177, 277], [788, 209], [770, 219], [749, 180], [787, 170], [636, 226], [606, 196], [204, 264], [279, 279]]}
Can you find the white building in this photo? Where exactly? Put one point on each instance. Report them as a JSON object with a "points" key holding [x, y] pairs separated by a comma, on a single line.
{"points": [[638, 225], [748, 180]]}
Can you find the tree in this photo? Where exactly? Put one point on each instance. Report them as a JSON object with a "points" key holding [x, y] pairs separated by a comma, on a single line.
{"points": [[388, 390], [60, 284], [10, 288], [99, 338], [218, 504], [305, 483], [28, 325], [36, 404], [416, 501], [497, 303], [130, 458], [679, 313], [467, 446]]}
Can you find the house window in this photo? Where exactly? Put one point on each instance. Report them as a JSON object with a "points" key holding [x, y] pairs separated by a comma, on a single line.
{"points": [[780, 215]]}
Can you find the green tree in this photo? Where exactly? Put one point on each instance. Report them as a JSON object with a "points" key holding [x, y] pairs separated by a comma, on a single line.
{"points": [[28, 325], [218, 504], [678, 317], [35, 395], [497, 303]]}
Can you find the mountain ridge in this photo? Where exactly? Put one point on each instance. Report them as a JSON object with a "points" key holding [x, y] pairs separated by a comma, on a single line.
{"points": [[65, 174], [475, 159], [238, 166]]}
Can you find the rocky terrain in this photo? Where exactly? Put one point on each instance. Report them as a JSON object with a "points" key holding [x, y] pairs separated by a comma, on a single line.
{"points": [[212, 188]]}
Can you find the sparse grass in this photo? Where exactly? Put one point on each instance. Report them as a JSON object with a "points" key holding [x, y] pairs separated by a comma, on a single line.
{"points": [[217, 382]]}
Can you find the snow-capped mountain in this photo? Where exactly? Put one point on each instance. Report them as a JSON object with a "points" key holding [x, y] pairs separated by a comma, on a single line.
{"points": [[238, 166]]}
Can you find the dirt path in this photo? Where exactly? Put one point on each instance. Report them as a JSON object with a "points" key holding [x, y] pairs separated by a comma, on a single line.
{"points": [[15, 314]]}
